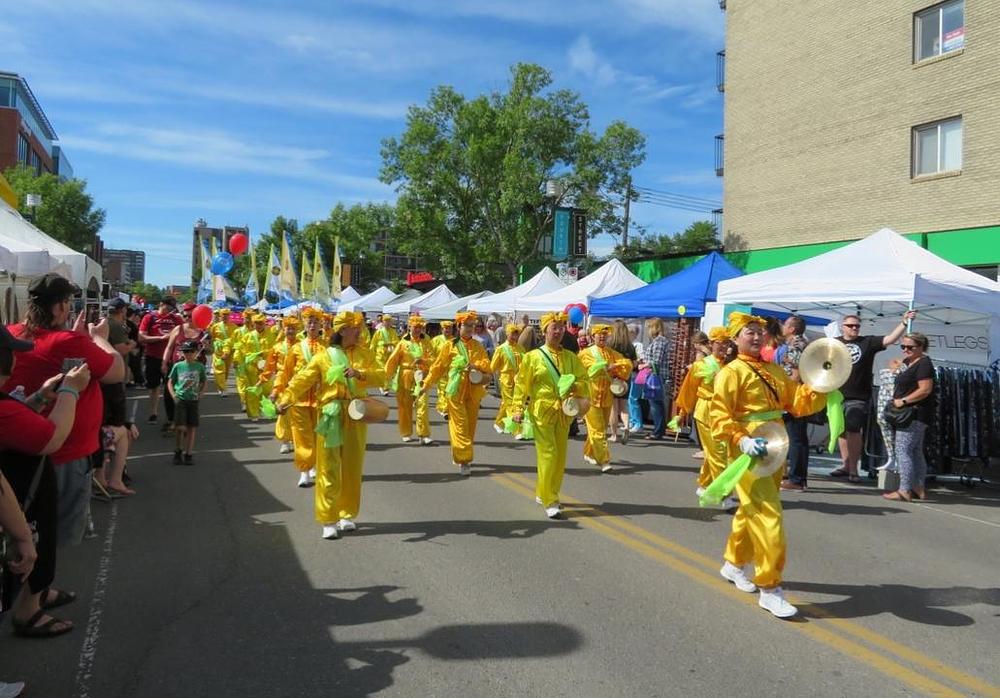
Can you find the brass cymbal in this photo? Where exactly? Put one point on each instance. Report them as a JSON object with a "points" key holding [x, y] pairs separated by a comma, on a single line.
{"points": [[825, 365], [777, 448]]}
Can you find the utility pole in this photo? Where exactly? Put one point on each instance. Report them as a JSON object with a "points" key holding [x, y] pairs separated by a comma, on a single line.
{"points": [[628, 201]]}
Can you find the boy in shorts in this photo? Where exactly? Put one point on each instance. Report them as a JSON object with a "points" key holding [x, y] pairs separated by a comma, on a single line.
{"points": [[186, 384]]}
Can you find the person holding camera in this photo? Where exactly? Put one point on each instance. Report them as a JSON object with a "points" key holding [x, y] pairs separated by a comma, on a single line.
{"points": [[914, 391]]}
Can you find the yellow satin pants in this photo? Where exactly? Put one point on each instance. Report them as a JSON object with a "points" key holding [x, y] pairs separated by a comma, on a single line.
{"points": [[442, 398], [596, 445], [338, 474], [715, 455], [283, 428], [462, 418], [241, 385], [303, 424], [758, 534], [550, 457], [506, 400], [251, 398], [407, 404], [220, 369]]}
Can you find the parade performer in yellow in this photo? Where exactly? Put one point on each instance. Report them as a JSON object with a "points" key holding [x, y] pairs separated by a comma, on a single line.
{"points": [[458, 359], [337, 374], [693, 399], [602, 364], [275, 362], [549, 375], [505, 364], [447, 335], [223, 334], [236, 355], [303, 414], [408, 364], [250, 355], [383, 341], [749, 392]]}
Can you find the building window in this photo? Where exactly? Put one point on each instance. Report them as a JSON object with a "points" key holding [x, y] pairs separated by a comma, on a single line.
{"points": [[22, 149], [937, 147], [939, 29]]}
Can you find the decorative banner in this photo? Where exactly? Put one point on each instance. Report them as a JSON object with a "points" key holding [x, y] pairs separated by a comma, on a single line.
{"points": [[289, 284], [336, 271], [250, 293], [305, 276], [560, 233], [273, 288]]}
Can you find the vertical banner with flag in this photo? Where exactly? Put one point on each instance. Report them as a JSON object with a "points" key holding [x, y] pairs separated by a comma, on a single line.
{"points": [[218, 283], [272, 290], [335, 285], [205, 285], [305, 276], [321, 285], [289, 284], [251, 294]]}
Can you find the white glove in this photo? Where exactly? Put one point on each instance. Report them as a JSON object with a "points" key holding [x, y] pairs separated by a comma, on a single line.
{"points": [[753, 447]]}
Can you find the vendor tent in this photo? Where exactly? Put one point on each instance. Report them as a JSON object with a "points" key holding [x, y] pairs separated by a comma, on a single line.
{"points": [[348, 294], [446, 311], [380, 295], [680, 294], [436, 296], [545, 281], [378, 306], [611, 279], [879, 276]]}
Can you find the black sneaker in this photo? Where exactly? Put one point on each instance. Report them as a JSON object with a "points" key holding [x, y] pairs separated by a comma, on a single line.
{"points": [[188, 459], [177, 457], [151, 419]]}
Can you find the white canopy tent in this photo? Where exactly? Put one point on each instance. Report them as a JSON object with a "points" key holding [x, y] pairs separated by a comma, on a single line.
{"points": [[446, 311], [348, 294], [380, 296], [545, 281], [436, 296], [611, 279], [878, 277], [373, 306]]}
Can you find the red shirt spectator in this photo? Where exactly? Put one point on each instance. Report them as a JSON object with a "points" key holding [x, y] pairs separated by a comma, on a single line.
{"points": [[159, 324]]}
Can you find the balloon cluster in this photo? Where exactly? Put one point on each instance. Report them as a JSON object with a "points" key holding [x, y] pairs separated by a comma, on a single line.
{"points": [[223, 262], [201, 317], [576, 312]]}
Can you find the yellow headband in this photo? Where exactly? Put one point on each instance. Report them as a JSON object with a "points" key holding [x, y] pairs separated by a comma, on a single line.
{"points": [[447, 323], [311, 312], [417, 320], [718, 334], [549, 318], [512, 329], [345, 318], [599, 329], [387, 318], [223, 311], [465, 316], [291, 321], [738, 320]]}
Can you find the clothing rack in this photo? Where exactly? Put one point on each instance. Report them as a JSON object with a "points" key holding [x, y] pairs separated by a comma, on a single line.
{"points": [[967, 419]]}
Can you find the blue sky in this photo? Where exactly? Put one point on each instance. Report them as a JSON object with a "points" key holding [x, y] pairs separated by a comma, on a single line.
{"points": [[238, 112]]}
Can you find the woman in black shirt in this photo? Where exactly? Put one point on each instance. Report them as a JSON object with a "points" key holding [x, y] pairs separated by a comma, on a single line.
{"points": [[914, 386]]}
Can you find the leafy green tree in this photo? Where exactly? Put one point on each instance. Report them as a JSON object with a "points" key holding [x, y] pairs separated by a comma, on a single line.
{"points": [[700, 236], [471, 175], [150, 292], [67, 211]]}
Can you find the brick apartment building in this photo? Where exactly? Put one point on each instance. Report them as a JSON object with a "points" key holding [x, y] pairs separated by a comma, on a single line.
{"points": [[26, 136]]}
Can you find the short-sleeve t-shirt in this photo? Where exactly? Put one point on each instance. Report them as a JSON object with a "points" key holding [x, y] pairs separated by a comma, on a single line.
{"points": [[32, 368], [862, 351], [21, 428], [906, 383], [117, 332], [187, 379], [156, 325]]}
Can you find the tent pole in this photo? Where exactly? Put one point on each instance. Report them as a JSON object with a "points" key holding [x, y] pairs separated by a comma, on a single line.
{"points": [[909, 323]]}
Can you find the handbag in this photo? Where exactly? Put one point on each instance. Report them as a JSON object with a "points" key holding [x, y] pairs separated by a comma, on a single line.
{"points": [[899, 417], [643, 375]]}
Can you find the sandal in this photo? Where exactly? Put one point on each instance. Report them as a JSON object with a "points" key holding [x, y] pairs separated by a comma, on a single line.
{"points": [[32, 627], [896, 496], [62, 598], [854, 478], [839, 472]]}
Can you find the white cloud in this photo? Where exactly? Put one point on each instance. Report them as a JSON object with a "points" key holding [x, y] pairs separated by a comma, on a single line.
{"points": [[583, 59]]}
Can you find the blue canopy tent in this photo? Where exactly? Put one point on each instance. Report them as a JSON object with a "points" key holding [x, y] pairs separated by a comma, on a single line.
{"points": [[688, 289]]}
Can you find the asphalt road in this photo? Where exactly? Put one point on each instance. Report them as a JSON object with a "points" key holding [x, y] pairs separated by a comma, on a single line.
{"points": [[214, 581]]}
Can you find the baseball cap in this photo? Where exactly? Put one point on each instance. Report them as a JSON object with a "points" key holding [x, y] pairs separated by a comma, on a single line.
{"points": [[52, 286], [117, 304], [189, 345], [9, 341], [169, 300], [188, 307]]}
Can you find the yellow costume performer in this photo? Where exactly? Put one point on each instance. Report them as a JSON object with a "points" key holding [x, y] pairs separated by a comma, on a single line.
{"points": [[456, 359], [223, 334], [272, 367], [549, 375], [236, 354], [693, 399], [337, 374], [447, 334], [412, 356], [602, 364], [505, 364], [251, 355], [749, 392], [303, 413], [384, 340]]}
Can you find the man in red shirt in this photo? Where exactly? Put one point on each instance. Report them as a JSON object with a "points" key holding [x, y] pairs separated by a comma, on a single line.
{"points": [[154, 331], [57, 350]]}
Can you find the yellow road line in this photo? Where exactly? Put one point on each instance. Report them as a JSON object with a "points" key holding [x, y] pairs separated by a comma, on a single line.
{"points": [[669, 553]]}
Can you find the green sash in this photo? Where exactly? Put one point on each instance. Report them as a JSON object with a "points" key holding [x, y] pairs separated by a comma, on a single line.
{"points": [[458, 365], [599, 363], [509, 353], [708, 369], [563, 383]]}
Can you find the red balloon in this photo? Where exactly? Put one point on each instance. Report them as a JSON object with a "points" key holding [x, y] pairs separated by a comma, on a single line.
{"points": [[201, 317], [238, 244]]}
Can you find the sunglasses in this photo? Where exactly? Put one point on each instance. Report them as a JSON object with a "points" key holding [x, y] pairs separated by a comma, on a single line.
{"points": [[853, 326], [907, 347]]}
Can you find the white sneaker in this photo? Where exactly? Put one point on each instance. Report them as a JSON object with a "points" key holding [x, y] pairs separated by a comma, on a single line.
{"points": [[464, 470], [606, 468], [427, 441], [738, 577], [407, 439], [330, 532], [588, 459], [345, 525], [518, 437], [700, 491], [730, 503], [304, 480], [554, 511], [538, 500], [773, 601], [222, 393], [497, 428], [285, 448], [312, 475]]}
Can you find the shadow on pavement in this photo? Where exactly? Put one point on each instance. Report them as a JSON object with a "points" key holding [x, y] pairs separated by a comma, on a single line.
{"points": [[836, 509], [694, 513], [422, 531]]}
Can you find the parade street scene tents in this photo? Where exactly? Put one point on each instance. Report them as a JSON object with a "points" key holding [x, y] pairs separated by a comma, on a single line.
{"points": [[681, 294], [436, 296], [609, 280], [380, 296], [348, 294], [446, 311], [880, 276], [541, 283]]}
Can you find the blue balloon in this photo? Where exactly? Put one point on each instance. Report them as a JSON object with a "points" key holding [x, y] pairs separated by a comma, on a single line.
{"points": [[222, 263], [576, 316]]}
